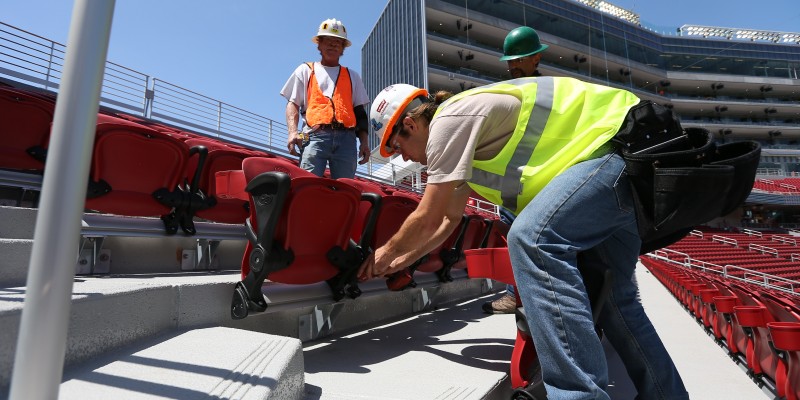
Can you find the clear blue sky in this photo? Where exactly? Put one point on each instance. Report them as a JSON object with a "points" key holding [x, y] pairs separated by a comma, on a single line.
{"points": [[242, 51]]}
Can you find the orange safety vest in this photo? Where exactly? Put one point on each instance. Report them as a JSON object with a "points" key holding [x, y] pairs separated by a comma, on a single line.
{"points": [[322, 110]]}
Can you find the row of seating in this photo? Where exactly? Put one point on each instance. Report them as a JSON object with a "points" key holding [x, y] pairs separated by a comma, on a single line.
{"points": [[776, 186], [759, 327], [306, 229], [138, 168], [723, 252]]}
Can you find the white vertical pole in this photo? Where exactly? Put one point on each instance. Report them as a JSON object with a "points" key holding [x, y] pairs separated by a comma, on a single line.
{"points": [[39, 359]]}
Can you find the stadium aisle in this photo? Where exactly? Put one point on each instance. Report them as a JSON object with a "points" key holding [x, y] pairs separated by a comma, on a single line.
{"points": [[705, 367]]}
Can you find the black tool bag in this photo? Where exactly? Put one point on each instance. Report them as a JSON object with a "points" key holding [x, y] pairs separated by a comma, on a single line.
{"points": [[680, 178]]}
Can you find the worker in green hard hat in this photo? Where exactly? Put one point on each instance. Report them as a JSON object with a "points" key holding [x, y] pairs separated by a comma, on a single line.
{"points": [[522, 50]]}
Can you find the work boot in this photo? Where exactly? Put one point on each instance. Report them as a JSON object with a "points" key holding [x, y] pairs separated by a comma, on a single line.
{"points": [[504, 305]]}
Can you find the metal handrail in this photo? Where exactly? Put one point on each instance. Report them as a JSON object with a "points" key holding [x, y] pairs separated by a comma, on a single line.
{"points": [[765, 280], [783, 239], [37, 62], [725, 239], [762, 249]]}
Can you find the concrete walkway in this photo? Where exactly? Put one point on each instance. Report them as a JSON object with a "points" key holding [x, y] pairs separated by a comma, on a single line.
{"points": [[460, 353]]}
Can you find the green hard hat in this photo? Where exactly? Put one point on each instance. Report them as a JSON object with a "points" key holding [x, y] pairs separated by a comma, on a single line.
{"points": [[522, 42]]}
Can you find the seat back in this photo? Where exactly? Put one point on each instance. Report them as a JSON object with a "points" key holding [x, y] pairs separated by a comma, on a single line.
{"points": [[25, 121], [317, 217], [130, 163], [218, 158]]}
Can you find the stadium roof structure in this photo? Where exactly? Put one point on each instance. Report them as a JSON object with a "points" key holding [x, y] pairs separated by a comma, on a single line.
{"points": [[612, 9], [740, 34]]}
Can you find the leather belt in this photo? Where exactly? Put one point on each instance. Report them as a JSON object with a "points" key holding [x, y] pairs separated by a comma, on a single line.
{"points": [[333, 125]]}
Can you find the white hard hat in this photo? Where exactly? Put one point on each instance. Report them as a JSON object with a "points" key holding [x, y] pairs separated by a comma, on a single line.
{"points": [[388, 106], [332, 27]]}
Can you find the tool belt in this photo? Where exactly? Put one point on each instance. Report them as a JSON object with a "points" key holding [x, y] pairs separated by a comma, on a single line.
{"points": [[680, 177]]}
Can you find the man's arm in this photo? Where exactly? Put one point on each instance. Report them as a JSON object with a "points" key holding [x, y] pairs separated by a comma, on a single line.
{"points": [[437, 215], [362, 131], [292, 118]]}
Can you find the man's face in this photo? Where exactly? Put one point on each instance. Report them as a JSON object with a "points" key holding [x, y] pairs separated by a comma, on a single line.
{"points": [[524, 66], [410, 141], [330, 47]]}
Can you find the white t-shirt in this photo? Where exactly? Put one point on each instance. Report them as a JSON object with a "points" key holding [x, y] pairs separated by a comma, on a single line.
{"points": [[295, 88], [475, 127]]}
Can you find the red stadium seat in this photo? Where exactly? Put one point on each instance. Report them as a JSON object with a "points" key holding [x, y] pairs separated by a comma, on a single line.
{"points": [[135, 170], [219, 157], [786, 339], [298, 232], [25, 121], [392, 211]]}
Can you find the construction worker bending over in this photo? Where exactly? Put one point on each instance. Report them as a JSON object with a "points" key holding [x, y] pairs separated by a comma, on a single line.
{"points": [[539, 147], [331, 99]]}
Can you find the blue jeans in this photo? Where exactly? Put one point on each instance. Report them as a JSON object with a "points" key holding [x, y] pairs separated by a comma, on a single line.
{"points": [[588, 208], [337, 147]]}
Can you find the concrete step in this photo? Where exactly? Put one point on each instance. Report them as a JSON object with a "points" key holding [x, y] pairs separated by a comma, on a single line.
{"points": [[203, 363], [16, 254], [454, 352], [17, 222], [108, 313], [122, 245]]}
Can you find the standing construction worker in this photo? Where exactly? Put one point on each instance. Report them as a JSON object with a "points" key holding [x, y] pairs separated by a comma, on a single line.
{"points": [[522, 51], [331, 100]]}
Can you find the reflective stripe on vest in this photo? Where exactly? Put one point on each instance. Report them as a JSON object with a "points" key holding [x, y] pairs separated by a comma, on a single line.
{"points": [[562, 121], [510, 182], [326, 110]]}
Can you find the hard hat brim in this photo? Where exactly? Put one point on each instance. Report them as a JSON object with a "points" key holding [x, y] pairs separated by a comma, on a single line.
{"points": [[347, 42], [392, 121], [541, 48]]}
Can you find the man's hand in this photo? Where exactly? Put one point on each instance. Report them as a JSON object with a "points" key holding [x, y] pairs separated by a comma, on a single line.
{"points": [[378, 264], [363, 153], [295, 143]]}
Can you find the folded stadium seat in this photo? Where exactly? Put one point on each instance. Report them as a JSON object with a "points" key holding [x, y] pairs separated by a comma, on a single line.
{"points": [[390, 212], [298, 232], [25, 122], [433, 261], [723, 325], [135, 170], [762, 360], [473, 235], [786, 339], [497, 234], [469, 234], [783, 310], [495, 263], [694, 301], [219, 157], [707, 314]]}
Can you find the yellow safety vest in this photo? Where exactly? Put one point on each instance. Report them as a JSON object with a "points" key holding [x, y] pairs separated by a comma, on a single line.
{"points": [[562, 122]]}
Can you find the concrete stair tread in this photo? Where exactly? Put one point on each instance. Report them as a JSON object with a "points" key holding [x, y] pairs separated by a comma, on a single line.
{"points": [[455, 352], [91, 287], [208, 362]]}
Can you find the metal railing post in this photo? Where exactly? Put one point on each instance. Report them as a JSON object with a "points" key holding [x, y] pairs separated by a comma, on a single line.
{"points": [[219, 119], [49, 65], [41, 344]]}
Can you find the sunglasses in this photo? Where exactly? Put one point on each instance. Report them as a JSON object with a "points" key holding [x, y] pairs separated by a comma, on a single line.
{"points": [[392, 146]]}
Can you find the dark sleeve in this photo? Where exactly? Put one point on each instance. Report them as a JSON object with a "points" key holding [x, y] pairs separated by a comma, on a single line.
{"points": [[361, 119]]}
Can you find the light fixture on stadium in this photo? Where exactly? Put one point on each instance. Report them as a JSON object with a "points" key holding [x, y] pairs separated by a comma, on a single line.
{"points": [[741, 34], [612, 9]]}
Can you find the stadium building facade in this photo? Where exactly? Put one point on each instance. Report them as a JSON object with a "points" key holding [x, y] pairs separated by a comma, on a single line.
{"points": [[738, 83]]}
